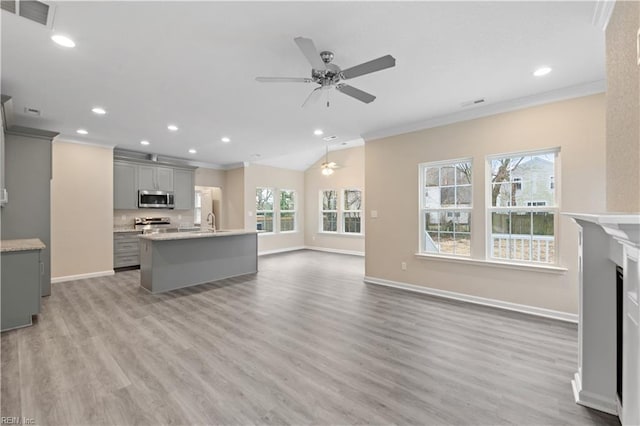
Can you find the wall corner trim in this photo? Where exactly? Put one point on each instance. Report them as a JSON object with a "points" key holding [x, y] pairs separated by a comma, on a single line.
{"points": [[82, 276], [509, 306]]}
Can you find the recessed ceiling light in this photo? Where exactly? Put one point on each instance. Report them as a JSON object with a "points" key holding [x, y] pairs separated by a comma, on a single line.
{"points": [[63, 40], [82, 132], [318, 132], [144, 142], [192, 151], [542, 71], [99, 111], [225, 139], [330, 138], [172, 127]]}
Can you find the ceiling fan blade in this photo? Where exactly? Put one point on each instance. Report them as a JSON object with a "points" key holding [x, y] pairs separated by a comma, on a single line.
{"points": [[381, 63], [313, 97], [284, 80], [310, 52], [356, 93]]}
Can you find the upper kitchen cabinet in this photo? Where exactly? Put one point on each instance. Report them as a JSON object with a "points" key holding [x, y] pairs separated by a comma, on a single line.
{"points": [[184, 193], [155, 177], [125, 186]]}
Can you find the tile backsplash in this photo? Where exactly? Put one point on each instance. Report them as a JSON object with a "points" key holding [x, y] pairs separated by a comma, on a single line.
{"points": [[178, 217]]}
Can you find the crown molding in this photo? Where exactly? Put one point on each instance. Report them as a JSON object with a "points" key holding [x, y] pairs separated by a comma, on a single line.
{"points": [[565, 93]]}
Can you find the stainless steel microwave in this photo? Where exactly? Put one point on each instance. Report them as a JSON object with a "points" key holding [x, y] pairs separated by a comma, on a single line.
{"points": [[155, 199]]}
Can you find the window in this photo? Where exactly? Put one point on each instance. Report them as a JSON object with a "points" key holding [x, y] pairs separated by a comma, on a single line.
{"points": [[329, 210], [287, 210], [197, 208], [264, 209], [445, 207], [352, 210], [523, 220]]}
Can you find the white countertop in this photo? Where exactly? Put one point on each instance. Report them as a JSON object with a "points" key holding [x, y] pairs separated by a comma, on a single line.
{"points": [[167, 236], [21, 245]]}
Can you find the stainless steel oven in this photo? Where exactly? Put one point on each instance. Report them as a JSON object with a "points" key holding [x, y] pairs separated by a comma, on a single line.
{"points": [[155, 199]]}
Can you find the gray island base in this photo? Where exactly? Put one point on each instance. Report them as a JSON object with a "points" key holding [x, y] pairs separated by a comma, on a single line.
{"points": [[176, 260]]}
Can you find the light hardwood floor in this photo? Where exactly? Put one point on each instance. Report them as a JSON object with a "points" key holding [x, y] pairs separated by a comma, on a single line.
{"points": [[304, 341]]}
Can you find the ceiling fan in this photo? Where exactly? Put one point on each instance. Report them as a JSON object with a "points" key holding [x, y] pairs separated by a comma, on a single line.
{"points": [[329, 75], [327, 167]]}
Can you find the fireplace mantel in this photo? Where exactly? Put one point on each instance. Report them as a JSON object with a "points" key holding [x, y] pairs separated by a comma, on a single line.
{"points": [[607, 240]]}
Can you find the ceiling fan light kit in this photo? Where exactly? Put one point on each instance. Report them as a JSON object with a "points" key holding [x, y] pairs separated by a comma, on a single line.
{"points": [[329, 75]]}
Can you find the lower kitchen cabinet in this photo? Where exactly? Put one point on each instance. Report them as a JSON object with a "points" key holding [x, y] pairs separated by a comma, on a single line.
{"points": [[126, 249], [21, 282]]}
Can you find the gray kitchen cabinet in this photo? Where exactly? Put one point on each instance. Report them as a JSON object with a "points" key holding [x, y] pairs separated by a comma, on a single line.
{"points": [[155, 178], [21, 287], [125, 186], [184, 190], [126, 249], [28, 181]]}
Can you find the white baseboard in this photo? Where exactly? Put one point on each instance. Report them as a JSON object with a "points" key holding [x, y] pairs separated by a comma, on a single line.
{"points": [[82, 276], [331, 250], [592, 400], [532, 310], [283, 250]]}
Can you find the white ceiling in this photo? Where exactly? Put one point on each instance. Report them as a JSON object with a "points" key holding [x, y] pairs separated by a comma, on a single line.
{"points": [[194, 63]]}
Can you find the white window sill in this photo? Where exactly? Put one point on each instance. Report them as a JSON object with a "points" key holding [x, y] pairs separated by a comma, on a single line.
{"points": [[341, 234], [278, 233], [551, 269]]}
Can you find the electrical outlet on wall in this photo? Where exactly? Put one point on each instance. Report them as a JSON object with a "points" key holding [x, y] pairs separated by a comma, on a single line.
{"points": [[403, 266], [250, 213], [179, 217], [374, 213]]}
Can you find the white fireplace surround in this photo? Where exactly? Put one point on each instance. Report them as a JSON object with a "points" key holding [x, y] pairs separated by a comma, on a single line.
{"points": [[607, 240]]}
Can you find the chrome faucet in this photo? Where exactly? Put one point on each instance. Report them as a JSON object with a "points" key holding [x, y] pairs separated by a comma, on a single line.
{"points": [[211, 220]]}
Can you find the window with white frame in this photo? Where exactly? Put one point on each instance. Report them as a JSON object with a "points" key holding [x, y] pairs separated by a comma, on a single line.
{"points": [[445, 207], [264, 209], [329, 210], [523, 207], [287, 210], [352, 211]]}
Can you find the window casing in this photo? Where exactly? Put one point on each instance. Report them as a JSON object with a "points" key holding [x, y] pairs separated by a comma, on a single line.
{"points": [[329, 210], [523, 207], [445, 207], [287, 211], [264, 209], [341, 211], [352, 211]]}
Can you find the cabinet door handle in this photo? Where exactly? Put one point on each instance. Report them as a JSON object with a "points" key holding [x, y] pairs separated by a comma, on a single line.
{"points": [[41, 268]]}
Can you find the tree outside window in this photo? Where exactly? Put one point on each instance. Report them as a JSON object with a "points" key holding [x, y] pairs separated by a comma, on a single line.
{"points": [[264, 209], [329, 210], [523, 207], [446, 207], [352, 211], [287, 210]]}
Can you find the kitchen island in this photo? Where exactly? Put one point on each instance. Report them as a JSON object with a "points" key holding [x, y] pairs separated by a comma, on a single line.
{"points": [[169, 261]]}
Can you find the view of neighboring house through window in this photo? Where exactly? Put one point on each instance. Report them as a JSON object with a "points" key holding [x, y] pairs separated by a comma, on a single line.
{"points": [[287, 210], [523, 207], [329, 212], [446, 207], [264, 209], [352, 211]]}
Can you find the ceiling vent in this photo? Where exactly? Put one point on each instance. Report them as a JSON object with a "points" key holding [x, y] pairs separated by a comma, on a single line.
{"points": [[36, 11], [32, 111]]}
